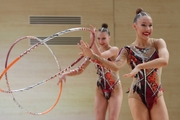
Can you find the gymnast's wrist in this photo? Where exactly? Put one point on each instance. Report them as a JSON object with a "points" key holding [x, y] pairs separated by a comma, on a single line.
{"points": [[93, 57], [139, 66], [89, 57]]}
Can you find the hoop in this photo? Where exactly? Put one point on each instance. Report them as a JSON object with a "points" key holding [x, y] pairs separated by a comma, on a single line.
{"points": [[7, 67]]}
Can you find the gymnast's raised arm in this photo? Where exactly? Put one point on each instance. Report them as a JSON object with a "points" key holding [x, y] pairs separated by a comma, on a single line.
{"points": [[75, 71], [120, 61]]}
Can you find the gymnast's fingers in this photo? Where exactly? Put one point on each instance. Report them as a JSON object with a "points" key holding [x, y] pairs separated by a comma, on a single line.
{"points": [[93, 28], [60, 80], [82, 43], [86, 45], [80, 46], [128, 75]]}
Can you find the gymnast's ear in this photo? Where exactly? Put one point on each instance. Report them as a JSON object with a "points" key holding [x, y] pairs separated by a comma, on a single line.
{"points": [[134, 26]]}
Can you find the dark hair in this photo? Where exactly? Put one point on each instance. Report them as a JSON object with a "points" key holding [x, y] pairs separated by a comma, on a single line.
{"points": [[104, 28], [139, 13]]}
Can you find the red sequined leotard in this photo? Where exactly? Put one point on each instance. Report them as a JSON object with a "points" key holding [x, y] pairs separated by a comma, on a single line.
{"points": [[147, 82], [107, 79]]}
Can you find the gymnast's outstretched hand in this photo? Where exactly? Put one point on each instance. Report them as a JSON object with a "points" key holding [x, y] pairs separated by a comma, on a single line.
{"points": [[62, 78], [84, 47], [132, 73]]}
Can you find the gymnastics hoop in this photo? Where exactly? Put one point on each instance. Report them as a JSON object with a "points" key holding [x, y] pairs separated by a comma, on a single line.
{"points": [[35, 46], [60, 91], [7, 67]]}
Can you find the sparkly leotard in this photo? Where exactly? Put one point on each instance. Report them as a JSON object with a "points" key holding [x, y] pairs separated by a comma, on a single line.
{"points": [[107, 80], [146, 84]]}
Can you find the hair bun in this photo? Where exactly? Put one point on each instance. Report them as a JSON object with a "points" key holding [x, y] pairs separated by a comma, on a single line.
{"points": [[104, 25], [139, 10]]}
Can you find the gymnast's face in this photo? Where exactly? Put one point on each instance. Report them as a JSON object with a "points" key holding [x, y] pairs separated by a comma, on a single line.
{"points": [[143, 27], [103, 38]]}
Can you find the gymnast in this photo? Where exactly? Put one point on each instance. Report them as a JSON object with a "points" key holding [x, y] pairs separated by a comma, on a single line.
{"points": [[109, 91], [145, 56]]}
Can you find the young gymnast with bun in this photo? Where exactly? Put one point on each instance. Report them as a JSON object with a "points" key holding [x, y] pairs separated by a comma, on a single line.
{"points": [[109, 90]]}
